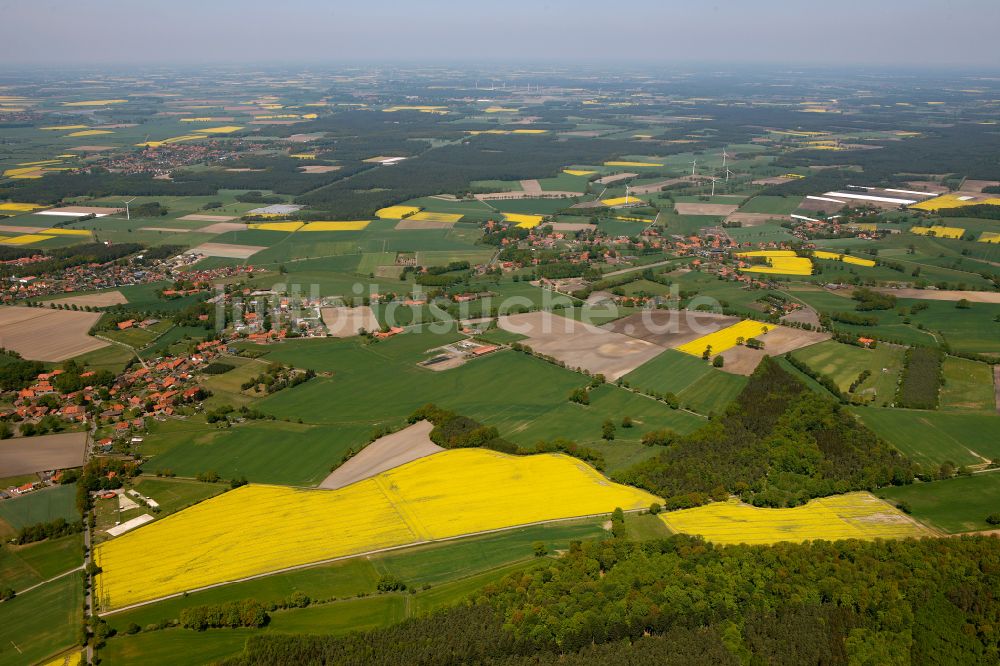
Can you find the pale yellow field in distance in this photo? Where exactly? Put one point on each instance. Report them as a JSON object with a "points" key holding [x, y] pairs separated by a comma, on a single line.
{"points": [[257, 529], [395, 212], [850, 516]]}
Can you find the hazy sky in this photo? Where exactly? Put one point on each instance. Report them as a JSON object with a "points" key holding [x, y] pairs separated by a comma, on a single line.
{"points": [[789, 32]]}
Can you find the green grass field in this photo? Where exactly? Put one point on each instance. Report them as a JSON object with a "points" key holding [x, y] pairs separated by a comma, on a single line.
{"points": [[967, 385], [693, 380], [42, 622], [24, 566], [935, 437], [41, 506], [175, 494], [844, 363], [771, 205], [954, 505]]}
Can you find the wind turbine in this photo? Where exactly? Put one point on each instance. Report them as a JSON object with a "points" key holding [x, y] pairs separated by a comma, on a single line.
{"points": [[713, 186], [626, 194], [128, 215], [694, 165], [728, 174]]}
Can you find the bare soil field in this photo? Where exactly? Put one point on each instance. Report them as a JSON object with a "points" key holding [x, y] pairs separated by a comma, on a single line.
{"points": [[803, 316], [550, 194], [571, 226], [48, 335], [655, 187], [532, 186], [931, 186], [429, 224], [318, 168], [222, 228], [197, 217], [101, 300], [383, 454], [705, 209], [742, 360], [343, 322], [944, 295], [828, 207], [670, 328], [774, 180], [92, 149], [978, 185], [227, 250], [581, 345], [80, 210], [754, 219], [26, 455], [615, 177], [20, 230]]}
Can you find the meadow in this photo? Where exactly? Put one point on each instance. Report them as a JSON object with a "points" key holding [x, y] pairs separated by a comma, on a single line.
{"points": [[40, 506], [695, 382], [954, 505], [845, 363], [42, 622], [935, 437]]}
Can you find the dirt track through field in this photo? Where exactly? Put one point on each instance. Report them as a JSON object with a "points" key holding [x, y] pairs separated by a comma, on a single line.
{"points": [[26, 455], [383, 454], [42, 334]]}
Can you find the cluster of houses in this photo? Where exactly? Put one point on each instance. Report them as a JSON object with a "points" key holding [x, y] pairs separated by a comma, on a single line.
{"points": [[110, 275]]}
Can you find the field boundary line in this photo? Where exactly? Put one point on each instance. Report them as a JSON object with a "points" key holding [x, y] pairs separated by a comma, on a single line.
{"points": [[46, 582], [330, 560]]}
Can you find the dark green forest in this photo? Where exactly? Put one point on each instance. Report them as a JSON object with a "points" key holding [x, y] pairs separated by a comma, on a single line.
{"points": [[778, 444], [683, 601]]}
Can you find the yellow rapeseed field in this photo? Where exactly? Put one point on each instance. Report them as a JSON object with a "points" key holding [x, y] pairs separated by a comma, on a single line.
{"points": [[174, 139], [355, 225], [578, 172], [257, 529], [24, 172], [25, 239], [621, 201], [954, 201], [395, 212], [523, 220], [846, 258], [225, 129], [633, 164], [427, 216], [90, 132], [939, 231], [783, 265], [985, 237], [850, 516], [96, 102], [303, 156], [529, 131], [72, 659], [276, 226], [725, 338], [11, 206], [440, 110], [499, 109], [60, 231]]}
